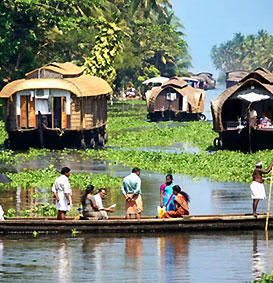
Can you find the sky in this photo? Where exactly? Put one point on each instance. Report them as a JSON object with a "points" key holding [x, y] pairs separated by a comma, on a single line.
{"points": [[212, 22]]}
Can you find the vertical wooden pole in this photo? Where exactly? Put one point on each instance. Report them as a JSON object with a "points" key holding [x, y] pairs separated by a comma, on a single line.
{"points": [[268, 204]]}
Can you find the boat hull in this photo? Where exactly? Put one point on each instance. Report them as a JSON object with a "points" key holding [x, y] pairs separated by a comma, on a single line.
{"points": [[145, 225], [259, 139]]}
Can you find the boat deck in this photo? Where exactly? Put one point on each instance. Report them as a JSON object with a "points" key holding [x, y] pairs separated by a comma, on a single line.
{"points": [[146, 224]]}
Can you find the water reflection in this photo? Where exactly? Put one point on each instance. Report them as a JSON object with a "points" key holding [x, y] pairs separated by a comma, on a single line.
{"points": [[63, 262], [258, 258], [184, 257]]}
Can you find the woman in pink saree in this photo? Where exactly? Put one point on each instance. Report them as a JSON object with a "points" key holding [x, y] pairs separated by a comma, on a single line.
{"points": [[181, 201]]}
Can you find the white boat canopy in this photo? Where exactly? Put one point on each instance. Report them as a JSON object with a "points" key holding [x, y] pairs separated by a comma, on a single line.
{"points": [[253, 97], [155, 80]]}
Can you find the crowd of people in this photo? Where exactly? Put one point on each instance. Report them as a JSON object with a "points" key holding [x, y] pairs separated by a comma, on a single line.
{"points": [[172, 198]]}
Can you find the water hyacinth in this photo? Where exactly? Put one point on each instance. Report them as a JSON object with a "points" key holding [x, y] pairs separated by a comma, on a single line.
{"points": [[130, 136], [45, 177]]}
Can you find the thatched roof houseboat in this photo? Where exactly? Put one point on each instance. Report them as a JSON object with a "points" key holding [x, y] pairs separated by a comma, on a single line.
{"points": [[176, 100], [56, 106], [206, 80], [233, 77], [238, 113]]}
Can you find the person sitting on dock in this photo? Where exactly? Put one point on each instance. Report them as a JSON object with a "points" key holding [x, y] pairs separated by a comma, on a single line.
{"points": [[257, 185], [98, 199], [181, 201], [166, 194], [62, 192], [131, 189], [90, 209]]}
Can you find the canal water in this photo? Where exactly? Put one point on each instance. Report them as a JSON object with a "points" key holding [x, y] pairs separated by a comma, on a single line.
{"points": [[176, 257]]}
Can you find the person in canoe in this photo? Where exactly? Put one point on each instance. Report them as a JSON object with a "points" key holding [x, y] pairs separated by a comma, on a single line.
{"points": [[257, 185], [166, 193], [181, 201], [131, 189], [98, 199], [62, 192]]}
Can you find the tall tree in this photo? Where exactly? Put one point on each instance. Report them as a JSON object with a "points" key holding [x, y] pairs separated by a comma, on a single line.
{"points": [[244, 52]]}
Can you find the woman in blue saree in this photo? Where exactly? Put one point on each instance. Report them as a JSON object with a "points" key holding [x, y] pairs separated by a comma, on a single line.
{"points": [[166, 194]]}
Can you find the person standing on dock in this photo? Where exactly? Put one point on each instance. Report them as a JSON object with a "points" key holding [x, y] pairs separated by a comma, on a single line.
{"points": [[62, 192], [257, 185], [131, 189]]}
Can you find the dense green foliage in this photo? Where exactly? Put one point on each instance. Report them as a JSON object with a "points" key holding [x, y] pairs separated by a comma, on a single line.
{"points": [[244, 52], [116, 40], [3, 133], [131, 137], [45, 177], [266, 278]]}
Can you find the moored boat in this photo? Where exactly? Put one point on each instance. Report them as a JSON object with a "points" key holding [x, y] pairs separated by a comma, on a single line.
{"points": [[232, 113], [146, 224], [176, 100]]}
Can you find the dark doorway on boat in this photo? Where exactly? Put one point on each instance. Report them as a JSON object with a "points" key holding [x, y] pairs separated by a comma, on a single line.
{"points": [[57, 112]]}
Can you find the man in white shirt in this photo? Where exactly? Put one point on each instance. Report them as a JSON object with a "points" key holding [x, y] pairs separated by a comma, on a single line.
{"points": [[62, 192], [98, 198]]}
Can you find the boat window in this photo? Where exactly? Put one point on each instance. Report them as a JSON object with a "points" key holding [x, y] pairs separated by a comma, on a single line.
{"points": [[171, 96]]}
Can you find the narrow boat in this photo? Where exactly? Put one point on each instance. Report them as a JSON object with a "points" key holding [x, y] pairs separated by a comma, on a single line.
{"points": [[144, 225]]}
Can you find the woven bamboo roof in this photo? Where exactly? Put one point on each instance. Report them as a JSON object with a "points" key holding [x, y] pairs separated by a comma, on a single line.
{"points": [[261, 74], [254, 78], [65, 69], [84, 85], [175, 81], [236, 75]]}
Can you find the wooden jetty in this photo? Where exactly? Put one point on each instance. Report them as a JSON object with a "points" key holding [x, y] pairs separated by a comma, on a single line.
{"points": [[144, 225]]}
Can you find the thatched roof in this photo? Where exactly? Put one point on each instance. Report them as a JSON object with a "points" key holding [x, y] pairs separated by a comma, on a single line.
{"points": [[256, 78], [204, 73], [181, 87], [176, 82], [66, 69], [84, 85], [236, 75], [261, 74]]}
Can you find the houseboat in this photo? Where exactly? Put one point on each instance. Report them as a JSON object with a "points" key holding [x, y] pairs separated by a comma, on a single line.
{"points": [[56, 106], [233, 77], [242, 114], [206, 80], [176, 100]]}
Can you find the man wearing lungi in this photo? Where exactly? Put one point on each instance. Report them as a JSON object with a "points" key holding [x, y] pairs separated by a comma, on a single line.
{"points": [[62, 192], [257, 185], [131, 189]]}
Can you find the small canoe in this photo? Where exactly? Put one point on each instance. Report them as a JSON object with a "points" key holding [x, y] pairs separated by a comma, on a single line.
{"points": [[146, 224]]}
